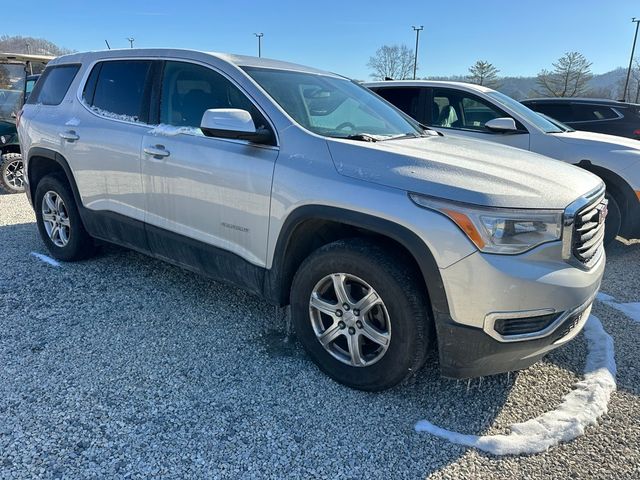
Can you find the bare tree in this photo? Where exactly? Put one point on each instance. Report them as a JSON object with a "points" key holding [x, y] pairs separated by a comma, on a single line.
{"points": [[392, 61], [569, 78], [633, 92], [484, 73]]}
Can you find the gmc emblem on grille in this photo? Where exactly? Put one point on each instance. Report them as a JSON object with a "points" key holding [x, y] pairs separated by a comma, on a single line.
{"points": [[602, 213]]}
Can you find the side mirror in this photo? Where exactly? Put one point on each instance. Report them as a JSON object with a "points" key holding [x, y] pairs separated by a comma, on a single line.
{"points": [[232, 123], [502, 125]]}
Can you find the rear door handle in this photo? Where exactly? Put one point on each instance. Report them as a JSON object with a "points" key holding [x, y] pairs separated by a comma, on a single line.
{"points": [[157, 151], [69, 136]]}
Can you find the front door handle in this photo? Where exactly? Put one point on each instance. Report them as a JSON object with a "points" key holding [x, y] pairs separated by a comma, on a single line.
{"points": [[69, 136], [157, 151]]}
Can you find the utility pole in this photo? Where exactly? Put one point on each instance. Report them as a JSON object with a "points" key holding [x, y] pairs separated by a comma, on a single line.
{"points": [[415, 58], [633, 50], [131, 40], [259, 36]]}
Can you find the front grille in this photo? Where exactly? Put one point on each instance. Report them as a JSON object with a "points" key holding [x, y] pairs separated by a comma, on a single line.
{"points": [[520, 326], [588, 232]]}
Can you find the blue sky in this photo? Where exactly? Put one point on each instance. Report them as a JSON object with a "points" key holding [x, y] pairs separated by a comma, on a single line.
{"points": [[519, 36]]}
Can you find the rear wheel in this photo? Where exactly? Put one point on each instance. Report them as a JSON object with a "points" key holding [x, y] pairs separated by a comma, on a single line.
{"points": [[12, 173], [361, 315], [59, 221]]}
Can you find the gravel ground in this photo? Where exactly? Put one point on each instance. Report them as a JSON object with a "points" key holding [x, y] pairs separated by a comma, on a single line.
{"points": [[123, 366]]}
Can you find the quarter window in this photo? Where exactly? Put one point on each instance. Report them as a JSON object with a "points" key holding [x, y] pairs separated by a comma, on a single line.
{"points": [[54, 84], [120, 89], [586, 113]]}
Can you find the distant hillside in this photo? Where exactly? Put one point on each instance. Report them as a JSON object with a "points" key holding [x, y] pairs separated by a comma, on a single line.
{"points": [[604, 85]]}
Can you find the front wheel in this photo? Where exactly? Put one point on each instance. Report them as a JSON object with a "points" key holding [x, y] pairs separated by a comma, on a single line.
{"points": [[361, 315], [613, 221], [12, 173]]}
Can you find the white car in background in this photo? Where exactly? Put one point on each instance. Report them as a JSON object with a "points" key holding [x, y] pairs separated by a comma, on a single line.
{"points": [[477, 112]]}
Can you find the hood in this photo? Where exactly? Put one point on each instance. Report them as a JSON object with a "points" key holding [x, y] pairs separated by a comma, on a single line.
{"points": [[591, 139], [463, 170]]}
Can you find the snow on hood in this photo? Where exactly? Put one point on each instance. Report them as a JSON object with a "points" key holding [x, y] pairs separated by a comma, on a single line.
{"points": [[464, 170]]}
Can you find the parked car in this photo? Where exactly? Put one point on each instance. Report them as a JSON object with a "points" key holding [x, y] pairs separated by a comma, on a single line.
{"points": [[477, 112], [591, 114], [307, 189], [15, 87]]}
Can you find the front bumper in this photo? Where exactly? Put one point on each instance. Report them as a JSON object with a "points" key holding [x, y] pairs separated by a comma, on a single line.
{"points": [[482, 288]]}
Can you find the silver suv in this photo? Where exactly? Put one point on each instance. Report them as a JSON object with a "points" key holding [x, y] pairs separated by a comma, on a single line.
{"points": [[307, 189]]}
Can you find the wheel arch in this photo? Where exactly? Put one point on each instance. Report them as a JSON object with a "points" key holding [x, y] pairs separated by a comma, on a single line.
{"points": [[622, 192], [309, 227], [42, 162]]}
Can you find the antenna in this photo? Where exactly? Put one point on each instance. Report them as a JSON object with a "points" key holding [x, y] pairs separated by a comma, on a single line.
{"points": [[108, 46]]}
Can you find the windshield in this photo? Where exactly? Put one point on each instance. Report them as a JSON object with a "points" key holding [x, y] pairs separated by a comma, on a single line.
{"points": [[333, 106], [557, 123], [12, 78], [525, 112]]}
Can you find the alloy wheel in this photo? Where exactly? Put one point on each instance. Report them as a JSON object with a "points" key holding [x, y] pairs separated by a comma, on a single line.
{"points": [[56, 219], [13, 175], [350, 319]]}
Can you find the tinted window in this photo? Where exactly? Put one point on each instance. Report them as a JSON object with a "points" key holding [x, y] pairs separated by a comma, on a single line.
{"points": [[53, 85], [188, 90], [406, 99], [557, 111], [456, 109], [120, 89], [586, 112]]}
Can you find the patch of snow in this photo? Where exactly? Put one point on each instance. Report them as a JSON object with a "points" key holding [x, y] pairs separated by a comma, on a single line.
{"points": [[172, 131], [581, 407], [115, 116], [73, 122], [631, 310], [46, 259]]}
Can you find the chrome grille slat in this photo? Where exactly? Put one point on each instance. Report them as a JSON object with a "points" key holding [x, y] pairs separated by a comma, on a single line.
{"points": [[588, 232]]}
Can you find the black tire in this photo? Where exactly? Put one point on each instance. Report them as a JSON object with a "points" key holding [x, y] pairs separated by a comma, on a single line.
{"points": [[398, 284], [12, 173], [613, 222], [80, 245]]}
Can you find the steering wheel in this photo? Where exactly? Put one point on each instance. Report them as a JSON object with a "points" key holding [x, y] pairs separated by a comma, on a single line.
{"points": [[344, 125]]}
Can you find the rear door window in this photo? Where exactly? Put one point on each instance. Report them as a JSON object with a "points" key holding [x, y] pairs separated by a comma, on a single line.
{"points": [[120, 89], [562, 113], [53, 85], [406, 99]]}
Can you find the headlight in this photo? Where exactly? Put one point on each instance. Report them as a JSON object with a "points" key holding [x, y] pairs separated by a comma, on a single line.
{"points": [[499, 230], [3, 139]]}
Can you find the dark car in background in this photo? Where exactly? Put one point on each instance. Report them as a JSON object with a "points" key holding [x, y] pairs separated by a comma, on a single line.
{"points": [[591, 114]]}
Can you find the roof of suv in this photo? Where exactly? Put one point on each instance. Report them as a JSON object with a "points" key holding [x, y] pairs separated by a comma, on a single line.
{"points": [[430, 83], [599, 101], [238, 60]]}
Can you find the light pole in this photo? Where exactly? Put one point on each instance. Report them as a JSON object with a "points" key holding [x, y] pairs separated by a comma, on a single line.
{"points": [[259, 36], [633, 50], [131, 40], [415, 58]]}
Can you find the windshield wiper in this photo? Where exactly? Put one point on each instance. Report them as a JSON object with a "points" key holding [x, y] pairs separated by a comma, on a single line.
{"points": [[362, 137]]}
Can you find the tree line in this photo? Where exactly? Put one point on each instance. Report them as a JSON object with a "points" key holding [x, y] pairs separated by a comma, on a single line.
{"points": [[569, 76]]}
